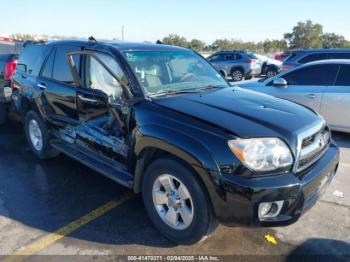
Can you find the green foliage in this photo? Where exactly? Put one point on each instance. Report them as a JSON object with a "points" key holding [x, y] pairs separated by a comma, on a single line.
{"points": [[331, 40], [305, 35], [177, 40]]}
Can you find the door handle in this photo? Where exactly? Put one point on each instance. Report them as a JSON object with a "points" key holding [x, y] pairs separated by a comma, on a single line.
{"points": [[85, 99], [311, 96], [42, 86]]}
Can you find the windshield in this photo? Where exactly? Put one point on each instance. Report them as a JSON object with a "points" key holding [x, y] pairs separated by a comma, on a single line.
{"points": [[174, 71]]}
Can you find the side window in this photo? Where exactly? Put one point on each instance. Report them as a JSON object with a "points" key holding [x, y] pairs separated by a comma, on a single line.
{"points": [[339, 56], [31, 59], [343, 78], [313, 57], [98, 77], [229, 57], [47, 71], [61, 70], [319, 75], [215, 58]]}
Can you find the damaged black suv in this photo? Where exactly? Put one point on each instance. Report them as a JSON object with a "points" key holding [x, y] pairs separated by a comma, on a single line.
{"points": [[161, 120]]}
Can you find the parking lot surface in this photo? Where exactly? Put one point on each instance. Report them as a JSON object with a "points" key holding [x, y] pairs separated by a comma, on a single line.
{"points": [[60, 207]]}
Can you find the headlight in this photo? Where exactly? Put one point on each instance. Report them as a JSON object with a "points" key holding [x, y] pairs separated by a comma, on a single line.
{"points": [[262, 154]]}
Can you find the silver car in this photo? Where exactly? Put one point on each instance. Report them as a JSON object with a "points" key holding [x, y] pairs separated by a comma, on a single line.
{"points": [[323, 86]]}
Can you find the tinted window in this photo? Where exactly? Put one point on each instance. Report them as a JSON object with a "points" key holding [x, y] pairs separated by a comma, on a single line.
{"points": [[321, 75], [31, 59], [61, 71], [313, 57], [47, 71], [216, 57], [343, 78], [339, 56]]}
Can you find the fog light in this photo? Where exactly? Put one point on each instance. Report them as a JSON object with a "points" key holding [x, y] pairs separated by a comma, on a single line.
{"points": [[270, 209]]}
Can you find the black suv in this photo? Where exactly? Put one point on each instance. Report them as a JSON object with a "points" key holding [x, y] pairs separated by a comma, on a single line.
{"points": [[299, 57], [161, 120]]}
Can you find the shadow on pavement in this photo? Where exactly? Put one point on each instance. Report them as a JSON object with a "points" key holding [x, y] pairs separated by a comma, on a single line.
{"points": [[317, 249], [342, 139], [48, 195]]}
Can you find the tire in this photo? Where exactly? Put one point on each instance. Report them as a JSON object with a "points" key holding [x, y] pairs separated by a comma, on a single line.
{"points": [[270, 73], [3, 113], [38, 136], [237, 74], [201, 220]]}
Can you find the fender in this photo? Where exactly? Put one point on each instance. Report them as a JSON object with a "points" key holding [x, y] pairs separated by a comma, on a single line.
{"points": [[185, 147]]}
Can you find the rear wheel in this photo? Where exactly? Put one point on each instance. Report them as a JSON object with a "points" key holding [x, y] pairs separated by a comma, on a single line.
{"points": [[176, 202], [237, 74], [38, 136], [270, 73], [3, 113]]}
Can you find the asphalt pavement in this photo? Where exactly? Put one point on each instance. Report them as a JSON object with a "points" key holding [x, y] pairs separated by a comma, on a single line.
{"points": [[59, 207]]}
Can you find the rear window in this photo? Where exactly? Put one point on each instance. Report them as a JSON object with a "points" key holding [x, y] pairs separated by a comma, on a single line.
{"points": [[343, 78], [252, 56], [313, 57], [288, 57], [31, 59], [339, 56]]}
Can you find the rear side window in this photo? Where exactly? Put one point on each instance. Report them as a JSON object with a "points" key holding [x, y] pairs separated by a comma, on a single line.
{"points": [[31, 59], [47, 71], [61, 70], [318, 75], [343, 78], [339, 56], [216, 57], [313, 57]]}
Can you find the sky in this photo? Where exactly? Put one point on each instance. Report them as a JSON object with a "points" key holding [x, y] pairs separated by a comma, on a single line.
{"points": [[150, 20]]}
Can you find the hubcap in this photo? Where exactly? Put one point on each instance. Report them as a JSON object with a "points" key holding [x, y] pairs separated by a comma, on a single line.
{"points": [[173, 202], [237, 75], [35, 135]]}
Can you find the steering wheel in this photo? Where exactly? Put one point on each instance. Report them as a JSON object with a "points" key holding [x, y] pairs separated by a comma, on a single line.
{"points": [[186, 76]]}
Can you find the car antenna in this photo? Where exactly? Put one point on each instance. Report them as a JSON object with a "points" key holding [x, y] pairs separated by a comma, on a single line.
{"points": [[92, 39]]}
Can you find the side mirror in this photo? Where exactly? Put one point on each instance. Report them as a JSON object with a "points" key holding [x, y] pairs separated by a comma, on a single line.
{"points": [[279, 82]]}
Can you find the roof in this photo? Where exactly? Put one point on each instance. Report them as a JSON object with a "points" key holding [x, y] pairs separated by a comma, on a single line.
{"points": [[321, 50], [122, 46], [330, 61]]}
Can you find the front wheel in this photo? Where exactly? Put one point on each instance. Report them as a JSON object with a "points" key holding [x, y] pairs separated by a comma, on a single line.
{"points": [[237, 75], [176, 202], [271, 73], [38, 136]]}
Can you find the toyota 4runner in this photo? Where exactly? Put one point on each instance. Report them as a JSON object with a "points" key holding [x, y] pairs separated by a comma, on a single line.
{"points": [[162, 121]]}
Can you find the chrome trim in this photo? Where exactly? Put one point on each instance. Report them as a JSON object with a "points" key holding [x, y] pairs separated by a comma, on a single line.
{"points": [[306, 132]]}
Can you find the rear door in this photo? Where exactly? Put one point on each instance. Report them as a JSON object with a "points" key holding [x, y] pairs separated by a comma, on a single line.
{"points": [[336, 101], [306, 85], [59, 89]]}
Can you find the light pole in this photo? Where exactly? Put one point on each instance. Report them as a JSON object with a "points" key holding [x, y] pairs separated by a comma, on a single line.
{"points": [[123, 32]]}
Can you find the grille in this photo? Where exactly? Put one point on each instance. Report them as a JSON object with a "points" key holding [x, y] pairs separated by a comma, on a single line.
{"points": [[313, 147]]}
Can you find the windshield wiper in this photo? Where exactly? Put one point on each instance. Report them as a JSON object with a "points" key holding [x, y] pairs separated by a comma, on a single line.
{"points": [[185, 91]]}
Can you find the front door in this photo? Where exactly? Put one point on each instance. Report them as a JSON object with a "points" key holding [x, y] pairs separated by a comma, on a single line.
{"points": [[102, 127], [306, 85]]}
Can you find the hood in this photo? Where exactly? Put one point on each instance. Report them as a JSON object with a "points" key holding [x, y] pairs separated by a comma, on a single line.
{"points": [[244, 113]]}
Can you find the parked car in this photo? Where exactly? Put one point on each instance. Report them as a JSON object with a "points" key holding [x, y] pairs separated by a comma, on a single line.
{"points": [[161, 120], [323, 86], [236, 64], [7, 67], [270, 67], [299, 57]]}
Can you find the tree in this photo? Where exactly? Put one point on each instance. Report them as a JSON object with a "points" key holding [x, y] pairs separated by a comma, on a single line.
{"points": [[174, 39], [270, 46], [197, 45], [22, 37], [305, 35], [331, 40], [221, 44]]}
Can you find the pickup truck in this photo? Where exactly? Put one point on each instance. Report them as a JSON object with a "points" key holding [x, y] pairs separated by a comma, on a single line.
{"points": [[7, 67], [163, 122]]}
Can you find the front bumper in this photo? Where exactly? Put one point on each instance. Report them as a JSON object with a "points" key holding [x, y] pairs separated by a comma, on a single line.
{"points": [[298, 191]]}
